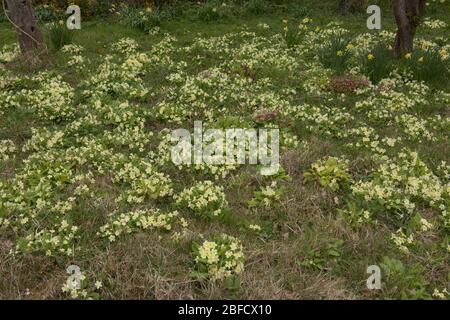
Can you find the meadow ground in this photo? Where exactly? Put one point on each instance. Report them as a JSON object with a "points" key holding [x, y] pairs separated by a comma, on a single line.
{"points": [[86, 177]]}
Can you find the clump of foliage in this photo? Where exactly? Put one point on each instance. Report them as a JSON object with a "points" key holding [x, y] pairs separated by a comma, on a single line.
{"points": [[321, 258], [140, 18], [408, 283], [347, 84], [203, 199], [258, 7], [354, 215], [294, 34], [267, 196], [59, 35], [331, 173], [335, 54], [352, 6], [430, 66], [378, 64], [214, 11], [2, 16], [89, 8], [299, 10], [46, 13], [219, 259]]}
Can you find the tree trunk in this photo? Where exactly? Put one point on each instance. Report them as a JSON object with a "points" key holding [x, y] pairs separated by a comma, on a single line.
{"points": [[407, 16], [22, 15]]}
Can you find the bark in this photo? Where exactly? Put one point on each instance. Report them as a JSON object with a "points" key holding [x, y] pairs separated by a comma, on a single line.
{"points": [[407, 16], [22, 15]]}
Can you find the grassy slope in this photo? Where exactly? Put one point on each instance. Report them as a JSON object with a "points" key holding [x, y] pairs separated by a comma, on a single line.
{"points": [[143, 267]]}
